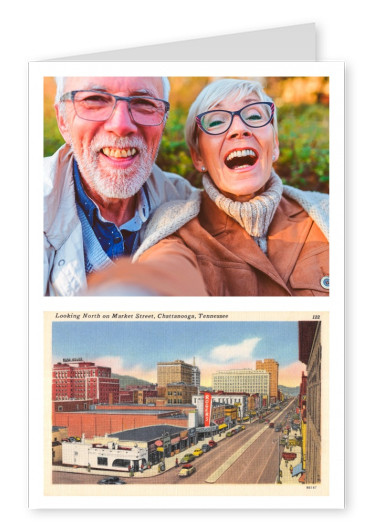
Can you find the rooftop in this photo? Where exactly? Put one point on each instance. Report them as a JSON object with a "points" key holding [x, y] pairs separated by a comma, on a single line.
{"points": [[124, 412], [147, 433]]}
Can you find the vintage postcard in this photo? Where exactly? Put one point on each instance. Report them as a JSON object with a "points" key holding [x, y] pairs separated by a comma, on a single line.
{"points": [[187, 404]]}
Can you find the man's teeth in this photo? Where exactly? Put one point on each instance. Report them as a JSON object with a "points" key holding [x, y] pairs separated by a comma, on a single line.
{"points": [[119, 153], [241, 153]]}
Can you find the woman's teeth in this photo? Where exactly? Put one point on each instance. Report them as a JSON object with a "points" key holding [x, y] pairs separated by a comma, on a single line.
{"points": [[241, 153], [241, 158], [119, 153]]}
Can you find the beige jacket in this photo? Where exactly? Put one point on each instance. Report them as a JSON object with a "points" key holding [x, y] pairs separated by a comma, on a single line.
{"points": [[64, 266]]}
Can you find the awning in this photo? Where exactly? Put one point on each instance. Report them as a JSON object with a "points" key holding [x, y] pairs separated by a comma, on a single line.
{"points": [[298, 469], [222, 426], [175, 440], [184, 438]]}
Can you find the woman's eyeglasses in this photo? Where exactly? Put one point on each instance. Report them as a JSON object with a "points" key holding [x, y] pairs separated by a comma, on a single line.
{"points": [[254, 115]]}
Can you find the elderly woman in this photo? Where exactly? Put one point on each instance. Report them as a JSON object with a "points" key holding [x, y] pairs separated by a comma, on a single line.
{"points": [[246, 233]]}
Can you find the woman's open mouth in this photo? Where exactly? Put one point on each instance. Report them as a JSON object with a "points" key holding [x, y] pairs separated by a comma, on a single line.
{"points": [[241, 158]]}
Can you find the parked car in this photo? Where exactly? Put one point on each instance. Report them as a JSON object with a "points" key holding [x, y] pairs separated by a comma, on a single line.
{"points": [[242, 427], [229, 434], [197, 452], [205, 448], [187, 458], [186, 470], [212, 443], [271, 424], [111, 480]]}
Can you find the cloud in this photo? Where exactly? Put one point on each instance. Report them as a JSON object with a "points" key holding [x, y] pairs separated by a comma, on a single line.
{"points": [[121, 366], [238, 352]]}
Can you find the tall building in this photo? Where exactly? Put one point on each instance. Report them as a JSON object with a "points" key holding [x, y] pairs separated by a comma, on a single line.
{"points": [[196, 375], [271, 366], [83, 380], [242, 381], [174, 371], [310, 353]]}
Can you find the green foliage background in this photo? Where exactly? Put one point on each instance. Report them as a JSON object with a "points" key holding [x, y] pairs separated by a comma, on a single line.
{"points": [[303, 137]]}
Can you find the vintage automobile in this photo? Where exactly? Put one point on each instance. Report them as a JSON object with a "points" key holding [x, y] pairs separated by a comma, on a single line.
{"points": [[205, 448], [111, 480], [187, 458], [186, 470], [197, 452], [212, 443]]}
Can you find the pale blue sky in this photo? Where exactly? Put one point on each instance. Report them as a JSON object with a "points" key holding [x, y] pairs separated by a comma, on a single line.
{"points": [[134, 348]]}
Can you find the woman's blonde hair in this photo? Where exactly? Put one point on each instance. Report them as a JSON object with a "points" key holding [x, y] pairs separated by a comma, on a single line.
{"points": [[216, 92]]}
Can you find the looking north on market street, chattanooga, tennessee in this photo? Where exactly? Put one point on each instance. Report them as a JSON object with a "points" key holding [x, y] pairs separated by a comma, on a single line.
{"points": [[186, 402]]}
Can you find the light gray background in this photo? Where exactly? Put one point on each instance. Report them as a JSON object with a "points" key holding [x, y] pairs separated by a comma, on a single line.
{"points": [[42, 29]]}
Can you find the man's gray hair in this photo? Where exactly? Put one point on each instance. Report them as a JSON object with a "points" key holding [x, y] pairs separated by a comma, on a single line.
{"points": [[213, 94], [60, 84]]}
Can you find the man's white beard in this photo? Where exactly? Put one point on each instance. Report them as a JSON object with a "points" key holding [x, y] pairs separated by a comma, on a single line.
{"points": [[115, 183]]}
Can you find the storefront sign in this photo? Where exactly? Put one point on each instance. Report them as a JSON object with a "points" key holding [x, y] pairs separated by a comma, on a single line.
{"points": [[207, 408]]}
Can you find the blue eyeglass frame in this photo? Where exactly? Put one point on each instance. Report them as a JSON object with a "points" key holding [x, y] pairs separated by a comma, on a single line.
{"points": [[236, 113], [71, 95]]}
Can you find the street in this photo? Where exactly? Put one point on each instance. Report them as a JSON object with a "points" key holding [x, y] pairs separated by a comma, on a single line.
{"points": [[249, 457]]}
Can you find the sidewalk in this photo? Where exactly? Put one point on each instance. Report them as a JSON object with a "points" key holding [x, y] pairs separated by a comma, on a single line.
{"points": [[287, 478]]}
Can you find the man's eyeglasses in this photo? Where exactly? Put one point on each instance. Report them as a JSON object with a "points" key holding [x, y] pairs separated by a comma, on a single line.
{"points": [[98, 106], [253, 115]]}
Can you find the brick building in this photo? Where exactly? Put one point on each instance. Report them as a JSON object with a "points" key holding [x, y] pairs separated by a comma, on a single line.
{"points": [[180, 393], [138, 395], [83, 380], [270, 366], [175, 371], [104, 420]]}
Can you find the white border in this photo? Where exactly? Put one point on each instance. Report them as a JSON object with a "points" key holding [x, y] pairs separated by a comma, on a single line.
{"points": [[334, 304]]}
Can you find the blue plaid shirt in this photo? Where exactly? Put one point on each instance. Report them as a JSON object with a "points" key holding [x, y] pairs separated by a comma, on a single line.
{"points": [[115, 241]]}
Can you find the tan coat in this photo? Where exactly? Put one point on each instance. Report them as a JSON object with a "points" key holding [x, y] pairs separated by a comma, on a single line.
{"points": [[213, 255]]}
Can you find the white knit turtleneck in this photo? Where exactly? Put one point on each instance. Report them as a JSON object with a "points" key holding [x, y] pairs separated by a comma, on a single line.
{"points": [[255, 215]]}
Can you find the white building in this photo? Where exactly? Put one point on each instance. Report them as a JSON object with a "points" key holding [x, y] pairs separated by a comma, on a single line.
{"points": [[104, 453], [241, 381]]}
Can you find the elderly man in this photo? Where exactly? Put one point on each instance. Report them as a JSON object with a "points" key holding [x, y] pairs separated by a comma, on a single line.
{"points": [[102, 186]]}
